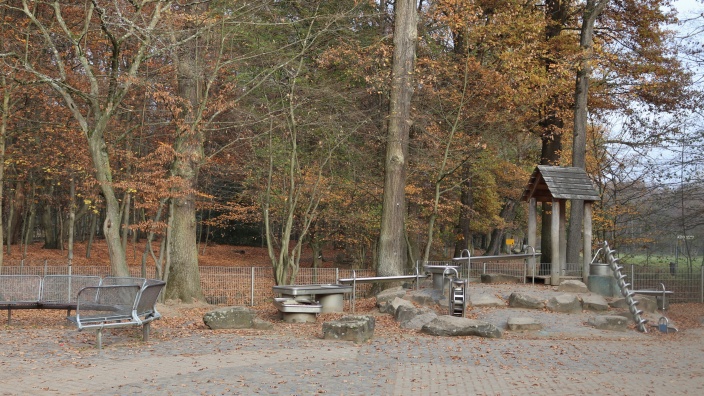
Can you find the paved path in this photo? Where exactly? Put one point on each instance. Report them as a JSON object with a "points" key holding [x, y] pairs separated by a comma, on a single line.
{"points": [[57, 360]]}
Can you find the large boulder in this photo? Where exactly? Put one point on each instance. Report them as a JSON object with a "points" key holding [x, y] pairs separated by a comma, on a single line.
{"points": [[414, 318], [521, 300], [230, 318], [390, 307], [452, 326], [564, 303], [388, 295], [594, 302], [645, 303], [572, 286], [357, 328], [428, 297]]}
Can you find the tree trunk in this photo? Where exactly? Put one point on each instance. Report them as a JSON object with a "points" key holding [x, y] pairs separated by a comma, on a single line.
{"points": [[71, 218], [91, 235], [508, 213], [3, 135], [464, 238], [184, 276], [29, 223], [557, 13], [111, 225], [579, 142], [392, 249]]}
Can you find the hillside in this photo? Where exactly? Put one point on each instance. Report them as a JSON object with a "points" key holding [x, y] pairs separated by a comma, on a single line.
{"points": [[212, 255]]}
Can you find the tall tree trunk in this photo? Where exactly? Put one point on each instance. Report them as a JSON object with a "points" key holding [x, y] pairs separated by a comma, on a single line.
{"points": [[392, 247], [557, 14], [91, 235], [464, 237], [28, 225], [3, 135], [592, 10], [71, 218], [508, 213], [184, 276]]}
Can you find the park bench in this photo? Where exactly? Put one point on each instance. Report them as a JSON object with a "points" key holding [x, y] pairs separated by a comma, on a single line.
{"points": [[98, 303], [36, 292], [118, 302]]}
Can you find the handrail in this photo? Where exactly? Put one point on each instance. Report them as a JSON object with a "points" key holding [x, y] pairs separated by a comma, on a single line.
{"points": [[354, 281]]}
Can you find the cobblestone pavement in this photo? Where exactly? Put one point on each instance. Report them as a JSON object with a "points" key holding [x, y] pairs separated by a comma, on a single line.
{"points": [[59, 360]]}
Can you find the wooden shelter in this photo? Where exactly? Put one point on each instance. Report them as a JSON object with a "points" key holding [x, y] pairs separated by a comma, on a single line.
{"points": [[557, 184]]}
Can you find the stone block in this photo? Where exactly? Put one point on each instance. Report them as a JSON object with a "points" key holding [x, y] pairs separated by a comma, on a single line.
{"points": [[230, 318], [609, 322], [356, 328], [565, 303], [523, 324], [451, 326], [572, 286], [521, 300]]}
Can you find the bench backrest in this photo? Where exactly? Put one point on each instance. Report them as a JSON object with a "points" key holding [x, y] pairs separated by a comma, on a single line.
{"points": [[107, 301], [64, 288], [122, 280], [20, 288], [146, 306]]}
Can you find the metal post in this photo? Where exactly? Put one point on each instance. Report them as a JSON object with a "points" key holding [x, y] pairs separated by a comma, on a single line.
{"points": [[252, 287], [69, 280], [354, 289]]}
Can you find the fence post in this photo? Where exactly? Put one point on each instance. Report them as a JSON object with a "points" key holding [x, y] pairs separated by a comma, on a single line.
{"points": [[252, 287], [701, 284], [633, 277]]}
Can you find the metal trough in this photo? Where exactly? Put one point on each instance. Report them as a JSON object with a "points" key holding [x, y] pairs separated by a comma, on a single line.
{"points": [[330, 296]]}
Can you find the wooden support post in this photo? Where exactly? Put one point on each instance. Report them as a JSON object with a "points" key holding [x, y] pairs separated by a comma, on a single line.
{"points": [[555, 240], [587, 240], [563, 238], [532, 234]]}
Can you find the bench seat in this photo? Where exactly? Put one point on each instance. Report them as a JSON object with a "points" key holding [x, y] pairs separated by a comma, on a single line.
{"points": [[118, 302]]}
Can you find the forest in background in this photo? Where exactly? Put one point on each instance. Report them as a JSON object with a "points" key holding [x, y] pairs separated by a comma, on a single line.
{"points": [[174, 123]]}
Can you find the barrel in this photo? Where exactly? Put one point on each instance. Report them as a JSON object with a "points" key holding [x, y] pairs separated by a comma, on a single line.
{"points": [[600, 269]]}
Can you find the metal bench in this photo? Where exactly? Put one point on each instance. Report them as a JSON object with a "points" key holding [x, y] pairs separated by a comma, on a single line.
{"points": [[98, 303], [118, 302], [35, 292]]}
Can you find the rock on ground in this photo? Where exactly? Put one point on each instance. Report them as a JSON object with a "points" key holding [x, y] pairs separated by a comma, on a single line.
{"points": [[451, 326]]}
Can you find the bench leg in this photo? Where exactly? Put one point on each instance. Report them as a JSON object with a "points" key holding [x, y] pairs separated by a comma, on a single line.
{"points": [[145, 332], [99, 338], [9, 316]]}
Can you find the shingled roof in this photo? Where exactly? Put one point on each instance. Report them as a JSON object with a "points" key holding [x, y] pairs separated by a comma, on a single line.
{"points": [[557, 182]]}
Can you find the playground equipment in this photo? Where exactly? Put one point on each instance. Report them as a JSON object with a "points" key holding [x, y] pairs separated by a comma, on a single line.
{"points": [[623, 285], [457, 296]]}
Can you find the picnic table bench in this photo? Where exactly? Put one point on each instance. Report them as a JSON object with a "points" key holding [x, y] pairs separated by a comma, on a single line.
{"points": [[98, 303]]}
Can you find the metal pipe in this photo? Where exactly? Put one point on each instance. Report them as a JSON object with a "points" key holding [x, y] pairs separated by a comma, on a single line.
{"points": [[354, 289], [251, 287]]}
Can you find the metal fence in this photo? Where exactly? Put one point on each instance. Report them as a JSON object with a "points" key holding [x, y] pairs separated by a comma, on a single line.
{"points": [[253, 285]]}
